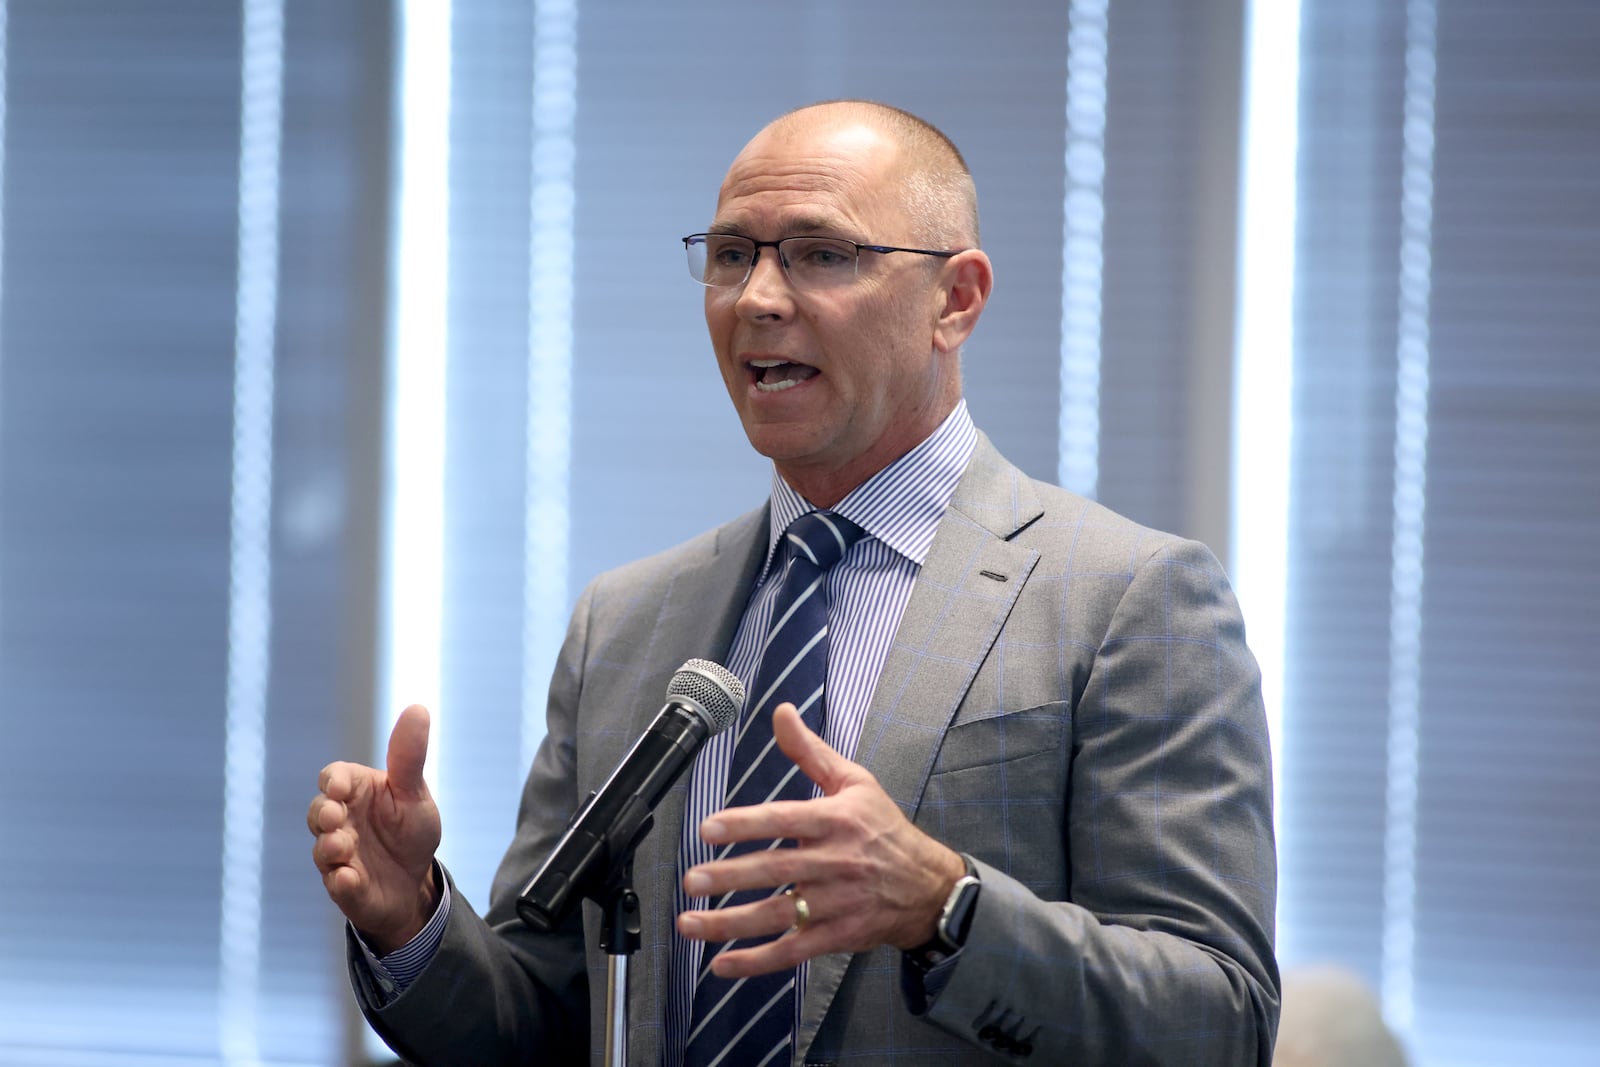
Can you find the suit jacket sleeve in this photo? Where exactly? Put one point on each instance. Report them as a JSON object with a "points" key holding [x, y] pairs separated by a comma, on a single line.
{"points": [[497, 991], [1151, 939]]}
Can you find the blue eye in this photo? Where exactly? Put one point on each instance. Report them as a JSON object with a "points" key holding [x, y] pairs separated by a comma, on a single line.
{"points": [[726, 253], [825, 256]]}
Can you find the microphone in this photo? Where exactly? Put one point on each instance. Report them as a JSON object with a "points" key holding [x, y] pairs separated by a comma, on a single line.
{"points": [[703, 698]]}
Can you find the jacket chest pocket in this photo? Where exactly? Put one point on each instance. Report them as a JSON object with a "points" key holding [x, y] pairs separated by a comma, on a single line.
{"points": [[999, 791]]}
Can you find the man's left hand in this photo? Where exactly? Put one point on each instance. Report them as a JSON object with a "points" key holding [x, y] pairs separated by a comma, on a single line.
{"points": [[867, 875]]}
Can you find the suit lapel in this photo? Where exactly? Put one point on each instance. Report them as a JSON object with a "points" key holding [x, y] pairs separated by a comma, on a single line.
{"points": [[963, 594]]}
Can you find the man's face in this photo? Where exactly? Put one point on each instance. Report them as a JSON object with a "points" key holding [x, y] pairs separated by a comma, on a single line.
{"points": [[858, 379]]}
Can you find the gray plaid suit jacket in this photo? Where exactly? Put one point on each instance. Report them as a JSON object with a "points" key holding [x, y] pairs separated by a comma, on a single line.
{"points": [[1068, 699]]}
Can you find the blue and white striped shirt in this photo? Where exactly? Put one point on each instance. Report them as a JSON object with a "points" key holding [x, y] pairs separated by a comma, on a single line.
{"points": [[899, 508]]}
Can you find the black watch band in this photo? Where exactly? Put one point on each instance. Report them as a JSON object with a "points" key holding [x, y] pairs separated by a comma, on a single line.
{"points": [[950, 933]]}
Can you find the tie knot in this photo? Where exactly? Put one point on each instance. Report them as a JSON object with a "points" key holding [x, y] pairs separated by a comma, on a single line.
{"points": [[822, 537]]}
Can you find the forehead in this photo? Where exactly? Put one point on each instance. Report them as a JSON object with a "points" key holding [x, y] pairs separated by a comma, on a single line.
{"points": [[800, 180]]}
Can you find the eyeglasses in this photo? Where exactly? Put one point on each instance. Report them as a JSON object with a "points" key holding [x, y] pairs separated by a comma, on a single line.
{"points": [[724, 260]]}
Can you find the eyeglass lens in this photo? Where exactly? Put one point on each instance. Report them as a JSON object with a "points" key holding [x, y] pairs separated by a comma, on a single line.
{"points": [[810, 262]]}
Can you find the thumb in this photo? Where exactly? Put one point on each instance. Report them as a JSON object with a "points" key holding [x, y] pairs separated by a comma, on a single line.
{"points": [[408, 750], [816, 760]]}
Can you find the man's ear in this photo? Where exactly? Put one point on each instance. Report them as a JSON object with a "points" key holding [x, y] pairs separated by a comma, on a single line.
{"points": [[966, 280]]}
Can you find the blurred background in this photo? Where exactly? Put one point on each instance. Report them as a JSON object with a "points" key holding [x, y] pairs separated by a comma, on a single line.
{"points": [[342, 342]]}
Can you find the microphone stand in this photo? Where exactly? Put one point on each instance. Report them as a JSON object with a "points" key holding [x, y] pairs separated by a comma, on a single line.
{"points": [[619, 917], [619, 924], [619, 937]]}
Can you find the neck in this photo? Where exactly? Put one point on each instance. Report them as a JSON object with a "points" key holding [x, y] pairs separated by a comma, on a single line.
{"points": [[824, 486]]}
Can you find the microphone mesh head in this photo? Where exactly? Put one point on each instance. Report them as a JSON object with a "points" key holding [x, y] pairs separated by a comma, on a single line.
{"points": [[712, 686]]}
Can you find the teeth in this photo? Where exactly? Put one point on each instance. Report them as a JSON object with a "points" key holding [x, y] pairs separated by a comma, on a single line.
{"points": [[773, 387], [765, 364]]}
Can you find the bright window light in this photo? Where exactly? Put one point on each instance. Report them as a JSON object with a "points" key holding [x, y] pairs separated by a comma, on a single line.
{"points": [[414, 533], [413, 582], [1082, 251], [250, 558], [1264, 359], [549, 423], [1410, 501]]}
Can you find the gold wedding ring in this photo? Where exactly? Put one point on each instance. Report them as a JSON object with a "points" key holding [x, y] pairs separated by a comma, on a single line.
{"points": [[802, 910]]}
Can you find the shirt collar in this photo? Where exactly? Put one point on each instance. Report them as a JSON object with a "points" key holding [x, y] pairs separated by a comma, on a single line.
{"points": [[902, 504]]}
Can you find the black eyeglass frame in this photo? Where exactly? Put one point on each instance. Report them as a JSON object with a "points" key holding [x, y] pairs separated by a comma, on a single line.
{"points": [[784, 262]]}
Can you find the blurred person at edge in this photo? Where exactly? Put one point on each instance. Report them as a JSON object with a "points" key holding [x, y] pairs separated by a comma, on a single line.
{"points": [[1332, 1019], [1040, 820]]}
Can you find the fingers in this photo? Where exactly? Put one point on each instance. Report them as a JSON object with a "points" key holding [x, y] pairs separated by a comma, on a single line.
{"points": [[348, 886], [799, 820], [336, 852], [788, 951], [809, 752], [329, 813], [335, 848], [754, 870], [757, 920], [795, 820], [337, 855], [329, 822], [376, 832], [408, 750], [344, 885], [325, 814], [869, 876], [329, 818], [338, 780], [345, 787], [761, 918]]}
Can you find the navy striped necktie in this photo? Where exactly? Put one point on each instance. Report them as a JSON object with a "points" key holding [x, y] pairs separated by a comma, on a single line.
{"points": [[750, 1022]]}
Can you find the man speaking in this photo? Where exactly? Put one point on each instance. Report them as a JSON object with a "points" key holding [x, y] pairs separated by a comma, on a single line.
{"points": [[1000, 789]]}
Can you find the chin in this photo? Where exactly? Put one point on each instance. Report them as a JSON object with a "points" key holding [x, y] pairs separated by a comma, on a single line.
{"points": [[780, 442]]}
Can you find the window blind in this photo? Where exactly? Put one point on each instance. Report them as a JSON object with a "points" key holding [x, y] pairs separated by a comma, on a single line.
{"points": [[1446, 666], [118, 471]]}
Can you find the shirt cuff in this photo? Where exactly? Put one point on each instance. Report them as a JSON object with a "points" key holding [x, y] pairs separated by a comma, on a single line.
{"points": [[921, 988], [396, 971]]}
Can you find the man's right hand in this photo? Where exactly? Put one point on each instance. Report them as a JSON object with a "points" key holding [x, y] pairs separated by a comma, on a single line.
{"points": [[376, 833]]}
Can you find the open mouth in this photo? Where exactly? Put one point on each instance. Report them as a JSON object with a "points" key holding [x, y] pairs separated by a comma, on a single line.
{"points": [[775, 375]]}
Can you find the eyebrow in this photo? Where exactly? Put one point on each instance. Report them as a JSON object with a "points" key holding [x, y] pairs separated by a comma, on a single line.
{"points": [[805, 226]]}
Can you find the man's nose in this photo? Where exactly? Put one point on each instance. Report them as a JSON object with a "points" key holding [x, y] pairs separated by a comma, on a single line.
{"points": [[768, 284]]}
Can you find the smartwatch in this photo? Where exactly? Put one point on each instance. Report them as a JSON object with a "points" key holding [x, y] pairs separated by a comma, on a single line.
{"points": [[950, 933]]}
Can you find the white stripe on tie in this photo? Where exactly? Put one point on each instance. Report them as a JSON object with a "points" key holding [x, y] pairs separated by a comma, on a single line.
{"points": [[820, 635], [779, 1047], [733, 1041]]}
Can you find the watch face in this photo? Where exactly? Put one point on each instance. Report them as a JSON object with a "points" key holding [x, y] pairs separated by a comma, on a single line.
{"points": [[958, 911]]}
